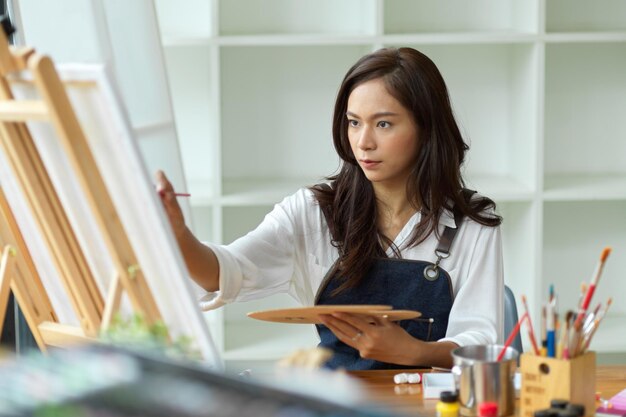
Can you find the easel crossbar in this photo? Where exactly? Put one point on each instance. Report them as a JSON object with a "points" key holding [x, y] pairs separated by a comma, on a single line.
{"points": [[23, 110]]}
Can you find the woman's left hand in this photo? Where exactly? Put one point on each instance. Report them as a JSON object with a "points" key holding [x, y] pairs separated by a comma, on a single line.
{"points": [[374, 337]]}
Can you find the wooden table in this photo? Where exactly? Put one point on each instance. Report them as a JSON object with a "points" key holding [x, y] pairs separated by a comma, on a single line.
{"points": [[407, 398]]}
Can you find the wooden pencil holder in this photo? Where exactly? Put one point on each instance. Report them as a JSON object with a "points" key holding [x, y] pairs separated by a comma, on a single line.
{"points": [[545, 379]]}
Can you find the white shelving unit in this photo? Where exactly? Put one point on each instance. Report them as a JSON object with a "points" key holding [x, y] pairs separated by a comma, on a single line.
{"points": [[538, 87]]}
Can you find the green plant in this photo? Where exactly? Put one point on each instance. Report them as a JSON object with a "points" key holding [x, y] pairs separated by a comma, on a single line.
{"points": [[135, 332]]}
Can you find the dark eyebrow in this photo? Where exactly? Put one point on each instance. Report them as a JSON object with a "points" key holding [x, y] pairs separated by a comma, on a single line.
{"points": [[375, 116]]}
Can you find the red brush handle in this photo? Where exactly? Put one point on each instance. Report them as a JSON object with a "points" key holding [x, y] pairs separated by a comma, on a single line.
{"points": [[514, 333], [584, 306]]}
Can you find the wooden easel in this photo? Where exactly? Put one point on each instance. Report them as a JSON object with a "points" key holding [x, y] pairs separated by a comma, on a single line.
{"points": [[18, 272]]}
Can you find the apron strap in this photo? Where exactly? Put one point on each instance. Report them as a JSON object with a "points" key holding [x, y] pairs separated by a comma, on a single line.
{"points": [[449, 233]]}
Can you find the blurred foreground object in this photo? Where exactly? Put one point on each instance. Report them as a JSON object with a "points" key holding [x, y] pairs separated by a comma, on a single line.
{"points": [[108, 381], [306, 358]]}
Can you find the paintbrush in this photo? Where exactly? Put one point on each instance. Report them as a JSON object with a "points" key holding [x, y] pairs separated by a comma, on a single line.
{"points": [[589, 318], [583, 290], [606, 308], [531, 332], [589, 335], [591, 289], [565, 349]]}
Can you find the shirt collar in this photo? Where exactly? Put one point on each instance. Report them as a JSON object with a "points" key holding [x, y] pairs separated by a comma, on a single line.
{"points": [[447, 219]]}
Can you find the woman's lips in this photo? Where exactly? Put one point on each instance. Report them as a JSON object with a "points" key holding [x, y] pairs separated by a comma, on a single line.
{"points": [[369, 164]]}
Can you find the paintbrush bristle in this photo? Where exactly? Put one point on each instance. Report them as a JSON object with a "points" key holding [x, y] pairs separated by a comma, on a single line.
{"points": [[605, 253]]}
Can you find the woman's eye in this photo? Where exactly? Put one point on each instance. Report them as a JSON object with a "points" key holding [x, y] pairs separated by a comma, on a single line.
{"points": [[353, 123], [384, 124]]}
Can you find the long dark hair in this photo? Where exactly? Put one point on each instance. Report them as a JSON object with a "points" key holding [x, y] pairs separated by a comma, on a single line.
{"points": [[435, 181]]}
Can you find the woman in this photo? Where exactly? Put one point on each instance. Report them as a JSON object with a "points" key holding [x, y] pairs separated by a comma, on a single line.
{"points": [[394, 226]]}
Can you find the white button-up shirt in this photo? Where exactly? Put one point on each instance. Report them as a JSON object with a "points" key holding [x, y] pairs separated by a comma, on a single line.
{"points": [[291, 251]]}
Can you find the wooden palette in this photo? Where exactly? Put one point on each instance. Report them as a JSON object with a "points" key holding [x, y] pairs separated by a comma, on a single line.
{"points": [[310, 315]]}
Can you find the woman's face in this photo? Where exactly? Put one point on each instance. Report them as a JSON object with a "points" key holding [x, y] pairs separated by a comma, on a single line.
{"points": [[382, 133]]}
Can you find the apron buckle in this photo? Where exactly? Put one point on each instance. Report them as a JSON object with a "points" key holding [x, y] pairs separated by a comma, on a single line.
{"points": [[431, 272]]}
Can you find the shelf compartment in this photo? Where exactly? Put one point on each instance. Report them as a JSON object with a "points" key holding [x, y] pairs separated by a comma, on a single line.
{"points": [[246, 338], [238, 221], [264, 17], [500, 188], [277, 105], [585, 98], [420, 16], [494, 93], [195, 112], [203, 193], [519, 239], [583, 16], [580, 187], [189, 18], [215, 321], [574, 235], [262, 341], [202, 223]]}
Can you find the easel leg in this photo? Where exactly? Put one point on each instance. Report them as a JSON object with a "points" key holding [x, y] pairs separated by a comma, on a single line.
{"points": [[6, 269], [112, 304]]}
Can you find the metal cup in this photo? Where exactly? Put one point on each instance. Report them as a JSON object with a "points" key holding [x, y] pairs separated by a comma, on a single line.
{"points": [[479, 377]]}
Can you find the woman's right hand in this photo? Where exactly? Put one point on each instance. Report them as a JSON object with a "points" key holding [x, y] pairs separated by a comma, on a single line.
{"points": [[201, 262], [172, 208]]}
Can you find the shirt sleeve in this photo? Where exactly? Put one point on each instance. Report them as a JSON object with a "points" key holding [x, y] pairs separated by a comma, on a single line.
{"points": [[477, 314], [260, 263]]}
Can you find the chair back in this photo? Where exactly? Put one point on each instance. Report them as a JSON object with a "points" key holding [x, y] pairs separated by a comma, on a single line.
{"points": [[510, 318]]}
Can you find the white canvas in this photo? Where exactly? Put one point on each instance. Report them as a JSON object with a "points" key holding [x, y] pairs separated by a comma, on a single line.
{"points": [[36, 244]]}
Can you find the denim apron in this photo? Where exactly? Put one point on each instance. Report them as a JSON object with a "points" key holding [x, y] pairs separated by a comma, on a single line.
{"points": [[404, 284]]}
